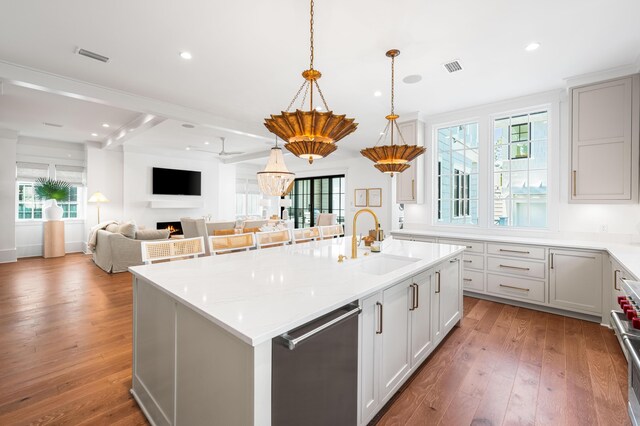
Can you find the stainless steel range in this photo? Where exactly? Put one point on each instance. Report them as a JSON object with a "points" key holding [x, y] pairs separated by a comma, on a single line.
{"points": [[626, 324]]}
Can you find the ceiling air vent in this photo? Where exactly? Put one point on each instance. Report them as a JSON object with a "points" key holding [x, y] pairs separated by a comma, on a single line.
{"points": [[453, 66], [92, 55], [52, 124]]}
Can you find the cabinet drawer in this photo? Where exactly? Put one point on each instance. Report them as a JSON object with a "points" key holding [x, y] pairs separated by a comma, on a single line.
{"points": [[472, 246], [472, 261], [473, 280], [516, 288], [525, 268], [530, 252]]}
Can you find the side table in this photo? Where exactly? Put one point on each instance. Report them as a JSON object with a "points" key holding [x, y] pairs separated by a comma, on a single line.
{"points": [[53, 238]]}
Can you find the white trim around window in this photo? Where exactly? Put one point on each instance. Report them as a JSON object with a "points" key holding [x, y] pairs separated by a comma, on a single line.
{"points": [[485, 116]]}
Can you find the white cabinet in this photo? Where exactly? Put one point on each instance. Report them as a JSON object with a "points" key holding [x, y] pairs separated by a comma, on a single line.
{"points": [[400, 327], [410, 183], [448, 288], [369, 356], [604, 141], [420, 312], [395, 361], [575, 280]]}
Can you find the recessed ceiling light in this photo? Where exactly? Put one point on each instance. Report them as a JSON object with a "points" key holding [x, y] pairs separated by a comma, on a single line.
{"points": [[381, 133], [532, 46], [188, 148], [318, 108], [377, 93], [94, 135], [188, 126], [412, 79], [186, 55], [132, 130], [105, 125], [206, 142]]}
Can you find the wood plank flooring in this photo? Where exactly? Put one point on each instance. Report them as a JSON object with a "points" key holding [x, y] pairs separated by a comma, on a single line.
{"points": [[513, 366], [65, 359]]}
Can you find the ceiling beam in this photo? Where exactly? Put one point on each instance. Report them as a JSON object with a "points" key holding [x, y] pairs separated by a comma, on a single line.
{"points": [[52, 83], [133, 128]]}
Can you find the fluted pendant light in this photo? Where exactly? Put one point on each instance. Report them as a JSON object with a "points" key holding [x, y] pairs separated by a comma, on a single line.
{"points": [[393, 158], [276, 179], [310, 134]]}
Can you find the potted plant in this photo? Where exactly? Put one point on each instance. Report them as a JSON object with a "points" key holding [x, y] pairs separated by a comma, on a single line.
{"points": [[52, 191]]}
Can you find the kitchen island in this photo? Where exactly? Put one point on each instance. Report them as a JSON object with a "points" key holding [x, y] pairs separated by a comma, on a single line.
{"points": [[204, 328]]}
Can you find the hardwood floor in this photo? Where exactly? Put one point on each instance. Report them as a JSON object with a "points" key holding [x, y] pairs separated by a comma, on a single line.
{"points": [[65, 358], [513, 366]]}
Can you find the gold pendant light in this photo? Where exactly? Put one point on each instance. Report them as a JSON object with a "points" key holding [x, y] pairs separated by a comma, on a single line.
{"points": [[393, 158], [310, 134]]}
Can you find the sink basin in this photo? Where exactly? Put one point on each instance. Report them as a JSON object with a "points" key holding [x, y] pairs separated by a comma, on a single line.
{"points": [[381, 264]]}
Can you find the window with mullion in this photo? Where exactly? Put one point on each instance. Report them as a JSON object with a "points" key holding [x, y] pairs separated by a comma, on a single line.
{"points": [[458, 174], [520, 170]]}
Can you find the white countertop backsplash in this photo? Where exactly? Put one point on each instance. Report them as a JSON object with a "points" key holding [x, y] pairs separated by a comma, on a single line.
{"points": [[260, 294]]}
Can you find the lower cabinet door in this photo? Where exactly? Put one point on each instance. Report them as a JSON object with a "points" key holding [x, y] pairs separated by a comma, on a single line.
{"points": [[395, 361], [370, 357], [449, 287], [576, 280], [421, 339]]}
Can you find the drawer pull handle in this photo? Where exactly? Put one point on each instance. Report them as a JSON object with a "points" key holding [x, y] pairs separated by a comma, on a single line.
{"points": [[514, 287], [438, 281], [515, 251], [469, 246], [468, 261], [467, 279], [379, 330], [519, 268], [453, 260], [615, 280]]}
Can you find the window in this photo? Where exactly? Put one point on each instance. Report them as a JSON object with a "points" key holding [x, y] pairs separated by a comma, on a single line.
{"points": [[312, 196], [458, 174], [520, 170], [247, 198], [29, 205]]}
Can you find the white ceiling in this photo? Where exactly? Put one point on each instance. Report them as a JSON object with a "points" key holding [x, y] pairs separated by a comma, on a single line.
{"points": [[247, 56]]}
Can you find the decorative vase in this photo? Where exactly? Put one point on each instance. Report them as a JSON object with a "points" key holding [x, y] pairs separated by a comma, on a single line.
{"points": [[52, 211]]}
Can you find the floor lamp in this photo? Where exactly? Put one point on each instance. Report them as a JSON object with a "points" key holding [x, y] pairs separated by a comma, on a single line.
{"points": [[98, 198]]}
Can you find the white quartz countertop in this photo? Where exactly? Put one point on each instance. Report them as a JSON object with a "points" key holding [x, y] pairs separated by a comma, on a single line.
{"points": [[626, 254], [260, 294]]}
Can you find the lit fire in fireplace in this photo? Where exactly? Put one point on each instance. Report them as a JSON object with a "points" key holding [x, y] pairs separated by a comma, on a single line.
{"points": [[172, 229]]}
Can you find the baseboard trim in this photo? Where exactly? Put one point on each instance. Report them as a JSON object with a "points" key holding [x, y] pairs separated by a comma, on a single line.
{"points": [[36, 250], [8, 256], [548, 309]]}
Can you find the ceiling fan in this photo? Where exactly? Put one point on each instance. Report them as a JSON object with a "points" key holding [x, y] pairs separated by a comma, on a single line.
{"points": [[221, 153]]}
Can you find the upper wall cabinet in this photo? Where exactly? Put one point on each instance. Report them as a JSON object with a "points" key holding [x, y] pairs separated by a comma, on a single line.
{"points": [[410, 183], [605, 121]]}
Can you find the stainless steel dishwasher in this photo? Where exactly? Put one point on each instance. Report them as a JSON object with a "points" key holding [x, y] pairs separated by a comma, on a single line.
{"points": [[314, 376]]}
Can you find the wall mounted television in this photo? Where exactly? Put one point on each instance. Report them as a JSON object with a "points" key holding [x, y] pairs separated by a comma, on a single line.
{"points": [[176, 182]]}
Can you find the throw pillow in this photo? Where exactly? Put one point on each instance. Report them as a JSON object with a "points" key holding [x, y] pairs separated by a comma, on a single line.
{"points": [[112, 227], [152, 234], [128, 229], [247, 230]]}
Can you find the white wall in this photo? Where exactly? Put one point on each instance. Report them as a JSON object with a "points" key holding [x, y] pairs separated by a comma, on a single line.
{"points": [[359, 173], [137, 192], [616, 222], [8, 141]]}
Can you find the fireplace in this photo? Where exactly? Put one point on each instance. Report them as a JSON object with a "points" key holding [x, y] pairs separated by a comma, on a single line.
{"points": [[175, 228]]}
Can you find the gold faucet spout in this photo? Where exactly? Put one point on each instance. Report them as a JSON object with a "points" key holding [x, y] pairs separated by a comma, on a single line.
{"points": [[354, 241]]}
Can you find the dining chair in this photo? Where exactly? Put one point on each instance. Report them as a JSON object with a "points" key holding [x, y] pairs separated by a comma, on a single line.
{"points": [[325, 219], [212, 227], [193, 228], [331, 231], [219, 244], [156, 250], [273, 238], [303, 235]]}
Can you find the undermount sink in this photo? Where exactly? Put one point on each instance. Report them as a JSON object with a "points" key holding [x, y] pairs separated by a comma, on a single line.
{"points": [[380, 264]]}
